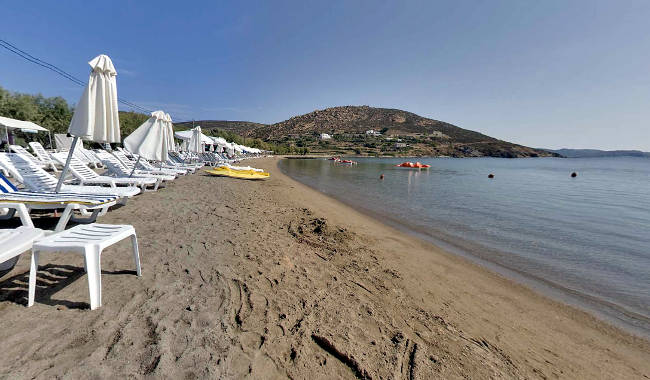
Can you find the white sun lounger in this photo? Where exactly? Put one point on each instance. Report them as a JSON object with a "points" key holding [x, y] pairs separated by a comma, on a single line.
{"points": [[131, 164], [40, 152], [116, 168], [88, 240], [14, 200], [37, 179], [13, 242], [35, 160], [87, 176], [144, 164]]}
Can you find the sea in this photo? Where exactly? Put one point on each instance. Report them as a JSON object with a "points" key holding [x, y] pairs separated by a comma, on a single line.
{"points": [[583, 240]]}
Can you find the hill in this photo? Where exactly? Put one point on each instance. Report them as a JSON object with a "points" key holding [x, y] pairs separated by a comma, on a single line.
{"points": [[402, 133], [592, 153], [398, 133]]}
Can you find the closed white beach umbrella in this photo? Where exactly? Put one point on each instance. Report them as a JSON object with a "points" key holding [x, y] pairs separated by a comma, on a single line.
{"points": [[230, 149], [150, 140], [96, 116], [196, 143], [171, 147]]}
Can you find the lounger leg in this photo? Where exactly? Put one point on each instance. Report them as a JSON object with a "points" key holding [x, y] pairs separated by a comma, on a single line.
{"points": [[90, 219], [93, 271], [33, 269], [10, 214], [63, 220], [136, 254]]}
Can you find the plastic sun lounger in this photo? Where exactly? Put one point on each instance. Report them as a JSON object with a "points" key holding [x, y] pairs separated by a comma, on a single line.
{"points": [[174, 160], [42, 154], [13, 242], [40, 151], [37, 179], [87, 176], [116, 167], [35, 160], [147, 166], [131, 164], [14, 200], [174, 156]]}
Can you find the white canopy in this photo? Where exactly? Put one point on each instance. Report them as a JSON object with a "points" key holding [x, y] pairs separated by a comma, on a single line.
{"points": [[10, 123], [150, 139], [187, 135], [96, 117]]}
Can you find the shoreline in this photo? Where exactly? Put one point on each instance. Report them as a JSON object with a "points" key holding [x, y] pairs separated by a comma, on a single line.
{"points": [[532, 294], [274, 279], [607, 312]]}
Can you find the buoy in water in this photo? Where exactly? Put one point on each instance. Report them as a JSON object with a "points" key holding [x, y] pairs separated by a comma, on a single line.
{"points": [[490, 175], [574, 174], [381, 176]]}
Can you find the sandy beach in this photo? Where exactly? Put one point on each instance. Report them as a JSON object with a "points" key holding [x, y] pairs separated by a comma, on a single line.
{"points": [[275, 280]]}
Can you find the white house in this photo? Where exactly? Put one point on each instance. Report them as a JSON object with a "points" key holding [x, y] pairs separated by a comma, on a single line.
{"points": [[325, 136], [372, 132]]}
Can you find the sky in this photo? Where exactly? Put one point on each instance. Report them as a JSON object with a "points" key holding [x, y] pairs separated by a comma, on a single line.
{"points": [[540, 73]]}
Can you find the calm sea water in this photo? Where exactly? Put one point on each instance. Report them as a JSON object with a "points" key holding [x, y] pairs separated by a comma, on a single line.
{"points": [[585, 239]]}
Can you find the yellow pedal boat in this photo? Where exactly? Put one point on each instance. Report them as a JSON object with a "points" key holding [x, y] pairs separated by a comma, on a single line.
{"points": [[233, 173]]}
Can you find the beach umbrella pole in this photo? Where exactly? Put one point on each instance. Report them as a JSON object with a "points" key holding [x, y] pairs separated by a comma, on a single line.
{"points": [[135, 166], [67, 164]]}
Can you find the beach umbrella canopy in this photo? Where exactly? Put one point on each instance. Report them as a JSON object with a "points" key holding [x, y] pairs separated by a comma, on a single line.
{"points": [[196, 143], [171, 146], [150, 140], [96, 116]]}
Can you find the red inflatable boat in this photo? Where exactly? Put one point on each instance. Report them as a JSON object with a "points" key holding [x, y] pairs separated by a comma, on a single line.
{"points": [[416, 165]]}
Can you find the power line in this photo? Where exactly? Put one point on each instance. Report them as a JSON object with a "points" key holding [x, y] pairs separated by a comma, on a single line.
{"points": [[25, 55]]}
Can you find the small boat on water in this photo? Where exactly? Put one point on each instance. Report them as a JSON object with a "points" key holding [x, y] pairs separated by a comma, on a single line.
{"points": [[349, 162], [412, 165]]}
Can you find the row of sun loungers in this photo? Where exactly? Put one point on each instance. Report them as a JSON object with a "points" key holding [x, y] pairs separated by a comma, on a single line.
{"points": [[83, 197]]}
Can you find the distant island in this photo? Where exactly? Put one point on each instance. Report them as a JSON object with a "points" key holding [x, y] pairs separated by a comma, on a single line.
{"points": [[370, 131], [592, 153]]}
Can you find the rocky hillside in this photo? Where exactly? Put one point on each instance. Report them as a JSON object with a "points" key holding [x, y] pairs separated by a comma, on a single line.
{"points": [[400, 133], [353, 119]]}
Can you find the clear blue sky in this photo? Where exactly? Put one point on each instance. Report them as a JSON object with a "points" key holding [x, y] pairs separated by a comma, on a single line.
{"points": [[541, 73]]}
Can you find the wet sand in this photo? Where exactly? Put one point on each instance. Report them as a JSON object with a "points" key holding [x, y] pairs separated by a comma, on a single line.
{"points": [[275, 280]]}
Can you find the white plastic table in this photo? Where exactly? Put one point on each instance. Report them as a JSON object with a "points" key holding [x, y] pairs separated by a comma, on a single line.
{"points": [[89, 240]]}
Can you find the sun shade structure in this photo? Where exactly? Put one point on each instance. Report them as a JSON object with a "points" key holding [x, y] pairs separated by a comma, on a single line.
{"points": [[150, 140], [187, 136], [22, 125], [96, 116], [10, 123], [196, 142], [171, 146]]}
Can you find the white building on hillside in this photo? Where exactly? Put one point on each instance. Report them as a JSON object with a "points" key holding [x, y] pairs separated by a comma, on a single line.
{"points": [[325, 136], [372, 132]]}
